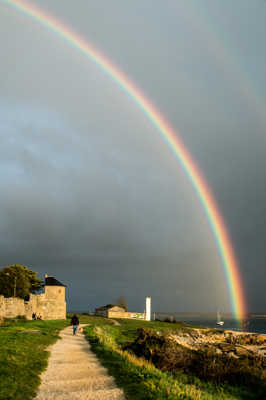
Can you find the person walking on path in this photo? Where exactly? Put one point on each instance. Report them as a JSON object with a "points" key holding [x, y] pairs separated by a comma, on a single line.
{"points": [[75, 323]]}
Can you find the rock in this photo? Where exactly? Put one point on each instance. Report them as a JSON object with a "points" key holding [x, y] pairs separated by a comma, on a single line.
{"points": [[260, 340], [242, 351], [231, 354], [226, 347]]}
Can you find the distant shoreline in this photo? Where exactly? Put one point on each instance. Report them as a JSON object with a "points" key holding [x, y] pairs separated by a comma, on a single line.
{"points": [[208, 315], [190, 314]]}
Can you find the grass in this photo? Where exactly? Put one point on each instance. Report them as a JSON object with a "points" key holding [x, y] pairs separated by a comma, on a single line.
{"points": [[139, 378], [23, 355]]}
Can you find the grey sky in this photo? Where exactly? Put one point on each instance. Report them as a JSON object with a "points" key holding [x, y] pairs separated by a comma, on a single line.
{"points": [[89, 190]]}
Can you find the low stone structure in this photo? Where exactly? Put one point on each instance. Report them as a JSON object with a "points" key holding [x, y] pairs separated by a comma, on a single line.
{"points": [[114, 311], [105, 310], [132, 315], [50, 305]]}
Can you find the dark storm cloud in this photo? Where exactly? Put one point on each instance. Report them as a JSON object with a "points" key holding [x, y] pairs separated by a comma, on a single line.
{"points": [[93, 214], [90, 192]]}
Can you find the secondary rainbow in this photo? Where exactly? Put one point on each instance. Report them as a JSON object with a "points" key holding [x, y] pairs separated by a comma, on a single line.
{"points": [[188, 164]]}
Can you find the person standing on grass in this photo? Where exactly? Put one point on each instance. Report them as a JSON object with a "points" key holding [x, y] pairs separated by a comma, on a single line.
{"points": [[75, 323]]}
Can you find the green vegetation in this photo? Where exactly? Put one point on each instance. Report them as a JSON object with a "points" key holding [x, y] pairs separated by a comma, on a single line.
{"points": [[205, 362], [18, 281], [139, 377], [23, 355]]}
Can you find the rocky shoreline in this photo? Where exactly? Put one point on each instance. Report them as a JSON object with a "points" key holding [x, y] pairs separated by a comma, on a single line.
{"points": [[218, 356], [230, 343]]}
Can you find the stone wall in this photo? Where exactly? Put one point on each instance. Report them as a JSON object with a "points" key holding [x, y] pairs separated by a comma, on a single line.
{"points": [[11, 307], [50, 304], [132, 315]]}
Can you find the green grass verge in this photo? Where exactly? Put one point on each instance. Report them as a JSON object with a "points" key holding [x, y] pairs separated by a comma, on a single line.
{"points": [[23, 355], [139, 378]]}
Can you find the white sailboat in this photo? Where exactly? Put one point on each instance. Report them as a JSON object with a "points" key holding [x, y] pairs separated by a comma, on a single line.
{"points": [[219, 321]]}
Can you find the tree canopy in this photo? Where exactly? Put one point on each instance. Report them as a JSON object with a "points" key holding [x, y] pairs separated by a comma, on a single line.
{"points": [[19, 281], [121, 301]]}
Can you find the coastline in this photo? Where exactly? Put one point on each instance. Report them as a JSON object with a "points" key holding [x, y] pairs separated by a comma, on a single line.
{"points": [[227, 342], [253, 324]]}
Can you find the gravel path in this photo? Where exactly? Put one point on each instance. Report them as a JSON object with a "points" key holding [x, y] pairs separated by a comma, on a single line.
{"points": [[75, 373]]}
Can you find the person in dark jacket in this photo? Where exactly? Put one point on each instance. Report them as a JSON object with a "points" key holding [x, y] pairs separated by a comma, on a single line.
{"points": [[75, 323]]}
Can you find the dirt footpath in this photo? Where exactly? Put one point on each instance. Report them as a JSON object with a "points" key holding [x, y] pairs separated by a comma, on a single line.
{"points": [[75, 373]]}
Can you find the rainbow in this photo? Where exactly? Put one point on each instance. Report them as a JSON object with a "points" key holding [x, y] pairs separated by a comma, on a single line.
{"points": [[193, 173]]}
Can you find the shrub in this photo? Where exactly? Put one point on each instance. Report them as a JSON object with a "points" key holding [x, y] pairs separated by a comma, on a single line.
{"points": [[206, 364]]}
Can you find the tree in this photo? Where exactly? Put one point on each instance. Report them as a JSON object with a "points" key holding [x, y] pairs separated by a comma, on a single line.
{"points": [[121, 301], [19, 281]]}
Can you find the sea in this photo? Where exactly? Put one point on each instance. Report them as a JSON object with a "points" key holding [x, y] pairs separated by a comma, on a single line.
{"points": [[254, 323]]}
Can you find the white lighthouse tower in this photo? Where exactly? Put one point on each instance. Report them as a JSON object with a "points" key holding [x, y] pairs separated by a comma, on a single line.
{"points": [[148, 308]]}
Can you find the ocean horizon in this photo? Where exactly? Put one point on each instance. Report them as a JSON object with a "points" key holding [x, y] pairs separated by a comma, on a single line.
{"points": [[254, 323]]}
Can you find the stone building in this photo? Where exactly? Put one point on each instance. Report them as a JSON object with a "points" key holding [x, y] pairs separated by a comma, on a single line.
{"points": [[114, 311], [50, 305], [106, 310]]}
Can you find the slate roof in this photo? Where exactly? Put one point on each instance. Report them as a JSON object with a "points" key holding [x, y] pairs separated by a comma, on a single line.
{"points": [[51, 281]]}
